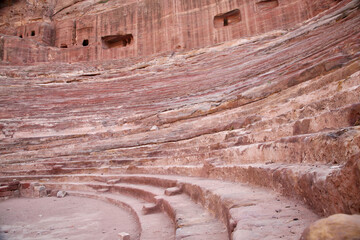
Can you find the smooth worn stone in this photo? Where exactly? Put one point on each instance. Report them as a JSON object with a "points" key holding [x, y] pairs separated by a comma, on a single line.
{"points": [[124, 236], [150, 208], [172, 191], [61, 194], [335, 227]]}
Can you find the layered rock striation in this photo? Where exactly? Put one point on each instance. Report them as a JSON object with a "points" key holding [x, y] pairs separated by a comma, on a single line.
{"points": [[259, 92], [73, 31]]}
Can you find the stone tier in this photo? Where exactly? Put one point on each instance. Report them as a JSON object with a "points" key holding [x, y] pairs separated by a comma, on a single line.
{"points": [[223, 204]]}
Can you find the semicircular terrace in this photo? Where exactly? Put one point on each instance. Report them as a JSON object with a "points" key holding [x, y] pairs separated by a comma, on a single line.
{"points": [[250, 136]]}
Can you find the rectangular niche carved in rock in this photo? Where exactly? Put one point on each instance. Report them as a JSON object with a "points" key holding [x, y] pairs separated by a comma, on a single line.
{"points": [[227, 19], [266, 4], [119, 40]]}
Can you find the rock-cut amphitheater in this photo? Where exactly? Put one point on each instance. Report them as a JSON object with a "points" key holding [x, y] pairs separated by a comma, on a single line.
{"points": [[180, 119]]}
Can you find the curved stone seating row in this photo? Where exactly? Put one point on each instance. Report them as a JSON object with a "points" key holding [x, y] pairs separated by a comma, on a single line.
{"points": [[316, 119], [231, 147], [154, 226], [306, 181], [270, 111], [245, 211]]}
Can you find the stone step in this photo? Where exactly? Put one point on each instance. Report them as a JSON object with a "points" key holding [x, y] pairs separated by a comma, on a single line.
{"points": [[227, 200], [277, 128], [248, 148], [234, 146], [281, 151], [304, 181], [334, 147], [69, 163], [188, 217], [307, 182], [154, 226], [314, 124], [87, 163], [319, 105], [329, 147]]}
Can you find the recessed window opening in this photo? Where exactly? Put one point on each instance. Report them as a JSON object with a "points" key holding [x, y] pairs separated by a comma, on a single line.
{"points": [[20, 36], [32, 33], [266, 4], [227, 19], [112, 41], [63, 45], [85, 42]]}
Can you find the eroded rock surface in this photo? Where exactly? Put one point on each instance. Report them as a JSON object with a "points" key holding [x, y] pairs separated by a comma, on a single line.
{"points": [[72, 31], [260, 92]]}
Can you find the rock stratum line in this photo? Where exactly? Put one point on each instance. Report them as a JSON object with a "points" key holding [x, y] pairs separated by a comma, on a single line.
{"points": [[218, 119]]}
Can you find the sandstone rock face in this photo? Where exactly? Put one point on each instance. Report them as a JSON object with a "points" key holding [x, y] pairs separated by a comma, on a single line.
{"points": [[80, 30], [335, 227], [259, 92], [10, 189]]}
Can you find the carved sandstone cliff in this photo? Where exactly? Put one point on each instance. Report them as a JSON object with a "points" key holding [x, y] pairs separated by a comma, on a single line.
{"points": [[72, 31], [259, 92]]}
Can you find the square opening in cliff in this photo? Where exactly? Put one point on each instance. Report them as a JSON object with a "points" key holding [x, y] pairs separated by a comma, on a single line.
{"points": [[227, 19]]}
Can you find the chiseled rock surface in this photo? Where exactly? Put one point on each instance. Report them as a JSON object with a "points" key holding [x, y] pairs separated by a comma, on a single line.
{"points": [[89, 30], [279, 110], [335, 227]]}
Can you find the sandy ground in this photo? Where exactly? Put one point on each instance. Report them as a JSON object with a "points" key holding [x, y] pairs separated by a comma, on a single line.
{"points": [[64, 218]]}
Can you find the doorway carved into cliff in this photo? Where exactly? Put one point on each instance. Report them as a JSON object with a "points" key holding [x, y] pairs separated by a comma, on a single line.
{"points": [[227, 19], [119, 40]]}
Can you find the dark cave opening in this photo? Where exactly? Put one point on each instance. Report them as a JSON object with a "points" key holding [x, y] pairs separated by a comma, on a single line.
{"points": [[227, 19], [112, 41], [85, 42]]}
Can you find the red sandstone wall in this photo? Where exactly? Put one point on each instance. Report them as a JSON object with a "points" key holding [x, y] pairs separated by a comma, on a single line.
{"points": [[280, 110], [16, 50], [41, 32], [166, 26]]}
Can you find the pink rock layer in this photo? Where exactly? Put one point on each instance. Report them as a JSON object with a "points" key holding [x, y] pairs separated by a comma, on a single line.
{"points": [[279, 110], [73, 31]]}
